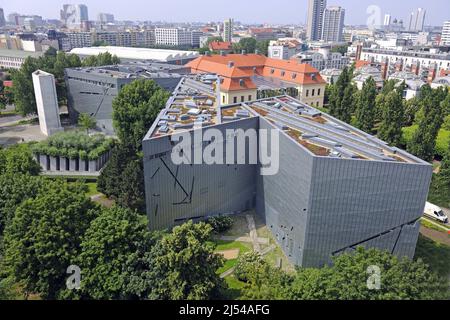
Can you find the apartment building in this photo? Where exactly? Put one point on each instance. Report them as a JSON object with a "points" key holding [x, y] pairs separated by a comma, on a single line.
{"points": [[15, 58], [333, 24], [176, 37]]}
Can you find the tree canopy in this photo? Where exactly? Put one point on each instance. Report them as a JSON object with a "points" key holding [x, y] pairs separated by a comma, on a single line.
{"points": [[135, 108], [183, 265], [43, 238]]}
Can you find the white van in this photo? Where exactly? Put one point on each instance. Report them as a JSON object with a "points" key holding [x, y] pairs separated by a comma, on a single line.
{"points": [[434, 212]]}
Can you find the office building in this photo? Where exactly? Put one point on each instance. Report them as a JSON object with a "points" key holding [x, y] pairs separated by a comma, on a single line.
{"points": [[445, 37], [72, 15], [333, 24], [228, 30], [246, 77], [104, 18], [92, 90], [316, 10], [176, 37], [2, 18], [417, 20], [46, 102], [387, 20], [336, 187]]}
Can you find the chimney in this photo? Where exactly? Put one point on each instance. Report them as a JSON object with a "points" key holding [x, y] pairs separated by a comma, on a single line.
{"points": [[358, 51], [432, 72], [399, 65], [230, 64], [256, 51], [415, 67], [222, 53], [243, 52], [384, 68]]}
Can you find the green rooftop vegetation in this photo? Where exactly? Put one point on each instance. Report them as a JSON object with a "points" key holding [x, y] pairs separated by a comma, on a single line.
{"points": [[74, 145]]}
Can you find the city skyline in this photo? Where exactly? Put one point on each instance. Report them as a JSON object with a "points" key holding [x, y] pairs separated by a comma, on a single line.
{"points": [[181, 11]]}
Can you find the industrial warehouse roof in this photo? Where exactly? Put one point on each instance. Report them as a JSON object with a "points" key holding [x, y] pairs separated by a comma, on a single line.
{"points": [[237, 70], [194, 105], [161, 55], [128, 70]]}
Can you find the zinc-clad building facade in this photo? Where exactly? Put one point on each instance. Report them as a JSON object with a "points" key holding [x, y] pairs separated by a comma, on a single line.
{"points": [[315, 206]]}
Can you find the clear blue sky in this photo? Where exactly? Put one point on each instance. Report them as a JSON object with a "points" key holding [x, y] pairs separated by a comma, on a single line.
{"points": [[270, 11]]}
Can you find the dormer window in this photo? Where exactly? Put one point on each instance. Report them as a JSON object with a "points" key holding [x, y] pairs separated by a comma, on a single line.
{"points": [[272, 71], [283, 73], [294, 75]]}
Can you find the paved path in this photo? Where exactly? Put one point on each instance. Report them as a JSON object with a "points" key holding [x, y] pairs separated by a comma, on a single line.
{"points": [[227, 273], [253, 233], [268, 249], [244, 239], [434, 235]]}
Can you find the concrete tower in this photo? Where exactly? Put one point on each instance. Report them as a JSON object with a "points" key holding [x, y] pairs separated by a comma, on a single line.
{"points": [[47, 102]]}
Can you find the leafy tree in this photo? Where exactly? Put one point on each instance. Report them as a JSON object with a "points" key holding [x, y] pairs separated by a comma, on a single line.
{"points": [[247, 44], [424, 138], [18, 159], [444, 172], [347, 279], [248, 266], [342, 90], [132, 189], [135, 109], [123, 178], [365, 110], [346, 107], [263, 47], [112, 246], [100, 43], [412, 107], [102, 59], [393, 116], [183, 265], [23, 89], [86, 122], [14, 189], [340, 49], [44, 237], [220, 223]]}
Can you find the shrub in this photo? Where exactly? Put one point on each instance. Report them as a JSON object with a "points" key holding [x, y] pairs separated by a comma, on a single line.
{"points": [[248, 265], [220, 223]]}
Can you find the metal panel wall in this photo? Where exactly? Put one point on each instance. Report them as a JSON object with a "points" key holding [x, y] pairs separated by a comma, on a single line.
{"points": [[353, 201], [177, 193]]}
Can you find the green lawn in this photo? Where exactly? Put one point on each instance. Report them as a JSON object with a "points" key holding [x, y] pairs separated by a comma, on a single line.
{"points": [[92, 191], [229, 245], [438, 195], [430, 225], [436, 255]]}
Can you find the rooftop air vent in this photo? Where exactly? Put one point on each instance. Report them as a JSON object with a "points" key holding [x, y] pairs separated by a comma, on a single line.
{"points": [[241, 82]]}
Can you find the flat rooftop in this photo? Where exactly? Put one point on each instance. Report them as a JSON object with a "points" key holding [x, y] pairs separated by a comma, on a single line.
{"points": [[132, 53], [148, 70], [193, 105]]}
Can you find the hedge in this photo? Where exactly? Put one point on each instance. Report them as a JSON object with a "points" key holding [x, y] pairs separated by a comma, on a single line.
{"points": [[74, 144]]}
